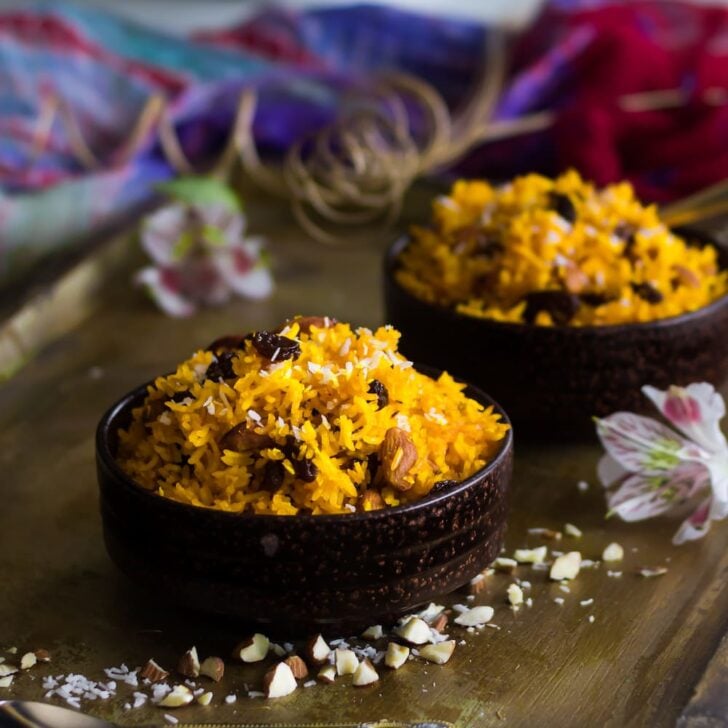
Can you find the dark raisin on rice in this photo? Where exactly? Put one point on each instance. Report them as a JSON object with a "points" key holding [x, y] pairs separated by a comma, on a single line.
{"points": [[560, 305], [273, 474], [180, 397], [376, 387], [372, 466], [275, 347], [563, 206], [594, 299], [241, 437], [306, 470], [488, 248], [221, 367], [442, 485], [647, 292]]}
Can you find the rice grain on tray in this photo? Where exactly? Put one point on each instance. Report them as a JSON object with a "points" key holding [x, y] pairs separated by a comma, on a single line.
{"points": [[556, 252], [315, 418]]}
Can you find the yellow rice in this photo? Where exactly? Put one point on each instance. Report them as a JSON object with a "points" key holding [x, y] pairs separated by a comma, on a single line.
{"points": [[321, 398], [613, 249]]}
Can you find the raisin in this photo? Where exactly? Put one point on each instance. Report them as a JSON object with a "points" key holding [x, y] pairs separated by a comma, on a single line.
{"points": [[487, 248], [241, 437], [179, 397], [560, 305], [563, 206], [222, 367], [376, 387], [228, 343], [275, 347], [627, 232], [306, 470], [273, 475], [647, 292], [372, 466], [442, 485], [593, 299]]}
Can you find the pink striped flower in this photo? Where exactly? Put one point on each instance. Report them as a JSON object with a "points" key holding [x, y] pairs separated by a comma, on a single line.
{"points": [[651, 469], [200, 253]]}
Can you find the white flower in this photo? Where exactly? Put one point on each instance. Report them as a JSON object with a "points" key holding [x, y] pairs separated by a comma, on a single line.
{"points": [[200, 253], [653, 469]]}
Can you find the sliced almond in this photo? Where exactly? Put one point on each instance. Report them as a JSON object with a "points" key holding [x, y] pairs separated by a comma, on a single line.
{"points": [[515, 595], [42, 655], [189, 663], [613, 552], [566, 566], [179, 696], [374, 632], [346, 661], [365, 674], [477, 584], [254, 649], [396, 655], [505, 564], [439, 653], [475, 617], [531, 556], [204, 699], [28, 660], [431, 611], [6, 670], [153, 672], [549, 534], [298, 667], [327, 674], [571, 530], [440, 623], [317, 650], [646, 571], [279, 681], [415, 631], [7, 681], [213, 667]]}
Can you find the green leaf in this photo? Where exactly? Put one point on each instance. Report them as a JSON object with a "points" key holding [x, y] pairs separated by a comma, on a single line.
{"points": [[201, 191]]}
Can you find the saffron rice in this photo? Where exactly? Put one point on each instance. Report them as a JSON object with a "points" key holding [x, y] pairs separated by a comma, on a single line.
{"points": [[240, 428], [560, 251]]}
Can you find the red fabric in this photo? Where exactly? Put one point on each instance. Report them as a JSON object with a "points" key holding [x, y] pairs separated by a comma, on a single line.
{"points": [[638, 47]]}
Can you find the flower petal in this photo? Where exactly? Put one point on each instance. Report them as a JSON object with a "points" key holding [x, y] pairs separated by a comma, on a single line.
{"points": [[609, 471], [641, 443], [695, 410], [163, 291], [637, 499], [696, 525], [161, 231], [641, 496]]}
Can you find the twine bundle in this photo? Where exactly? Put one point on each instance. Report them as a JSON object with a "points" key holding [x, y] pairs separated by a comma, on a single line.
{"points": [[355, 172]]}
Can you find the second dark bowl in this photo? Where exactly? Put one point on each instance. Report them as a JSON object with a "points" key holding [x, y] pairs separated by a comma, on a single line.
{"points": [[553, 380], [301, 574]]}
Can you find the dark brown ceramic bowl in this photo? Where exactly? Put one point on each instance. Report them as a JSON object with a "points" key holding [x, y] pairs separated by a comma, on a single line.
{"points": [[301, 574], [553, 380]]}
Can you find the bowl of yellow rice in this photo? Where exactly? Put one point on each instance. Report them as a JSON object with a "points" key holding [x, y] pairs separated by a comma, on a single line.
{"points": [[304, 478], [563, 297]]}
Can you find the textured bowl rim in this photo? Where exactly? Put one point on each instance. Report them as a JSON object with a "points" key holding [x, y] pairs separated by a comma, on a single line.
{"points": [[396, 248], [104, 454]]}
